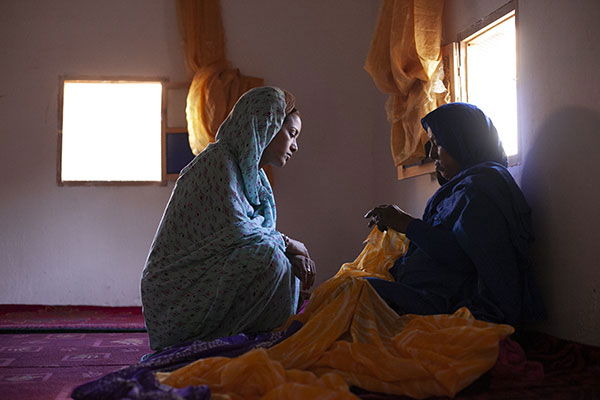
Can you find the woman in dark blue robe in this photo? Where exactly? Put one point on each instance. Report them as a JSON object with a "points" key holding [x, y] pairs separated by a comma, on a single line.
{"points": [[470, 249]]}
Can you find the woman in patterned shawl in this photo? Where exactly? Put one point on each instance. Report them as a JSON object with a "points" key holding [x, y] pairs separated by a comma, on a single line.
{"points": [[470, 249], [217, 265]]}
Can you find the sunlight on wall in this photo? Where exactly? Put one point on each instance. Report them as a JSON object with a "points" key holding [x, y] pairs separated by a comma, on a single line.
{"points": [[492, 77], [111, 131]]}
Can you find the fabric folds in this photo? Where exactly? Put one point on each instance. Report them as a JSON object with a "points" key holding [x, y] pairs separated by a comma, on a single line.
{"points": [[467, 133], [213, 92], [351, 337], [405, 62], [217, 265], [498, 248], [216, 84]]}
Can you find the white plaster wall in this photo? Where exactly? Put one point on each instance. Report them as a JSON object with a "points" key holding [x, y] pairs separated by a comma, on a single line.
{"points": [[87, 245], [73, 245], [559, 116], [316, 50]]}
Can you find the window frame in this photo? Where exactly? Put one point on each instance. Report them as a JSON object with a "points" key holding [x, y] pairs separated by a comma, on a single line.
{"points": [[171, 129], [111, 79], [456, 51], [453, 57]]}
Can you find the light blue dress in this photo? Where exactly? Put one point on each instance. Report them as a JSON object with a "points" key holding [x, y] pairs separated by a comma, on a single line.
{"points": [[217, 265]]}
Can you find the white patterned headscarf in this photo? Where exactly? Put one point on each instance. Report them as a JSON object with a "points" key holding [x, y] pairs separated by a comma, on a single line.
{"points": [[253, 122]]}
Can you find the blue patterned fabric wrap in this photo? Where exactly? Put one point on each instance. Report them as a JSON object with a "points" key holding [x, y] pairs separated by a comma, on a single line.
{"points": [[217, 265]]}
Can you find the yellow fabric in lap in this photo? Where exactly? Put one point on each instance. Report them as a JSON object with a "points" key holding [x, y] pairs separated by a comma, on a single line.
{"points": [[351, 337]]}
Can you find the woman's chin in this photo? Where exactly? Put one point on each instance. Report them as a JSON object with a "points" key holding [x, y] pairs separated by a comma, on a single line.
{"points": [[278, 164]]}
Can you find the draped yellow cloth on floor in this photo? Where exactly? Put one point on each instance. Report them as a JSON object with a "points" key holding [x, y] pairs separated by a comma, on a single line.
{"points": [[405, 62], [351, 337], [216, 85]]}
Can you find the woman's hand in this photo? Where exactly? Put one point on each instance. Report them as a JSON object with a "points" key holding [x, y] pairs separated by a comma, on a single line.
{"points": [[304, 269], [389, 216], [296, 248]]}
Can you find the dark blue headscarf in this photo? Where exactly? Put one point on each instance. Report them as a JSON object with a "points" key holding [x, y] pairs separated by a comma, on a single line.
{"points": [[466, 133]]}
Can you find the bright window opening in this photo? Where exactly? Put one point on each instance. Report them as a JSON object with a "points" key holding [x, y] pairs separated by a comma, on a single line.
{"points": [[111, 131], [490, 79]]}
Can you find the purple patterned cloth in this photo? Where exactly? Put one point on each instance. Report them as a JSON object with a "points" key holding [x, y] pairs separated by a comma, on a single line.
{"points": [[137, 382]]}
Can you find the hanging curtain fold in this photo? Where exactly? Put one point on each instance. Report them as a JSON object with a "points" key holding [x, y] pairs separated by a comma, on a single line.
{"points": [[216, 85], [405, 62]]}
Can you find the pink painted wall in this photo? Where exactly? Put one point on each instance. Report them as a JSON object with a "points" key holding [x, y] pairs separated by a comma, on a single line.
{"points": [[87, 245], [559, 119]]}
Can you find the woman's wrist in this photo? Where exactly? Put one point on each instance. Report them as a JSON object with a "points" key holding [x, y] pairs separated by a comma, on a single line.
{"points": [[404, 223], [286, 240]]}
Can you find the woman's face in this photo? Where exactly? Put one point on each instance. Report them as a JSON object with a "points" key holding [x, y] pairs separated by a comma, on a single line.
{"points": [[284, 144], [445, 164]]}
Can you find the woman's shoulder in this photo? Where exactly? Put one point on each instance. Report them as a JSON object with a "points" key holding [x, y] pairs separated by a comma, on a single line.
{"points": [[485, 176], [491, 183], [214, 161]]}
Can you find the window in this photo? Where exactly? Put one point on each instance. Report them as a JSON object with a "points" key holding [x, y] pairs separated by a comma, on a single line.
{"points": [[177, 146], [111, 131], [481, 68], [488, 73]]}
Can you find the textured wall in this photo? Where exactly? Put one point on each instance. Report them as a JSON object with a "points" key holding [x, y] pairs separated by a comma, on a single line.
{"points": [[87, 245]]}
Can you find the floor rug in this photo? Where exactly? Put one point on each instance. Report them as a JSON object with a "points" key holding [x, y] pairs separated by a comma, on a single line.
{"points": [[72, 349], [46, 383], [18, 317], [47, 366]]}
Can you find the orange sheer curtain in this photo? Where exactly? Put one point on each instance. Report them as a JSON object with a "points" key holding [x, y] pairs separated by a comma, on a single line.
{"points": [[216, 85], [405, 62]]}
